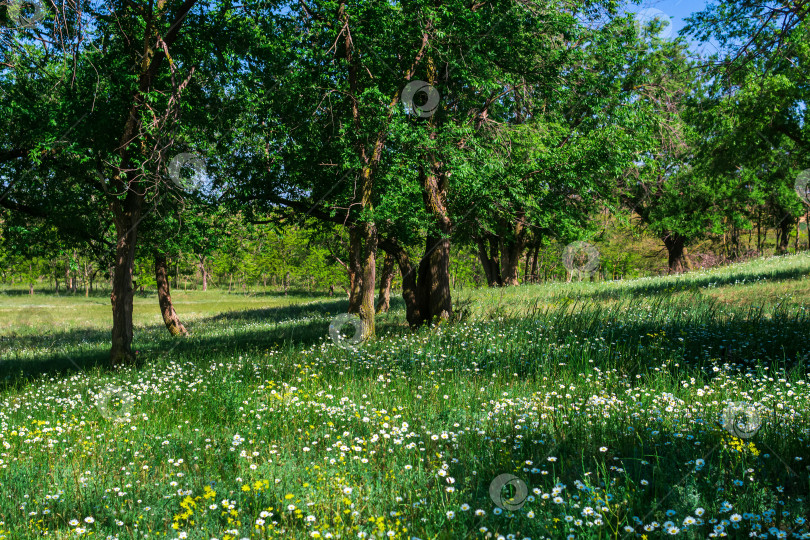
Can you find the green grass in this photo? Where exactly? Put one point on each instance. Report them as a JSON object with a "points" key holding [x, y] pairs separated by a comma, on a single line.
{"points": [[605, 400]]}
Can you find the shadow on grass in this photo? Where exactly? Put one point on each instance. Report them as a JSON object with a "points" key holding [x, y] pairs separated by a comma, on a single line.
{"points": [[677, 331]]}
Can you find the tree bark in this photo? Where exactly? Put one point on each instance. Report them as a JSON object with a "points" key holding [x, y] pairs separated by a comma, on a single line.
{"points": [[384, 300], [413, 308], [785, 226], [363, 261], [354, 269], [127, 212], [678, 260], [170, 318], [526, 267], [489, 260], [204, 273], [86, 280], [434, 279], [511, 251], [796, 242], [534, 262], [127, 215]]}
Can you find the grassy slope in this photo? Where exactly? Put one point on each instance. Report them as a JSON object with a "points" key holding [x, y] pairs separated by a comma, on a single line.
{"points": [[604, 399]]}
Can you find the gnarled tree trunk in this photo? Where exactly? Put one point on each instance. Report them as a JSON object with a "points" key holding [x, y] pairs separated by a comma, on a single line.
{"points": [[170, 318], [677, 258], [434, 268]]}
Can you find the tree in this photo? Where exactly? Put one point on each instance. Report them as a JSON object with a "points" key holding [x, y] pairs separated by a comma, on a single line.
{"points": [[754, 115], [141, 60]]}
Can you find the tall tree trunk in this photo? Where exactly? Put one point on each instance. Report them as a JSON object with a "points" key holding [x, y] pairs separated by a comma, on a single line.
{"points": [[511, 251], [678, 260], [93, 278], [361, 302], [384, 300], [534, 262], [170, 318], [489, 261], [796, 243], [434, 268], [495, 260], [785, 226], [526, 267], [413, 307], [355, 270], [86, 280], [203, 272], [510, 257], [127, 215]]}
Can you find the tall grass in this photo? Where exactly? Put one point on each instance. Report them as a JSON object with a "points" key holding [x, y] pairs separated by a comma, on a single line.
{"points": [[606, 401]]}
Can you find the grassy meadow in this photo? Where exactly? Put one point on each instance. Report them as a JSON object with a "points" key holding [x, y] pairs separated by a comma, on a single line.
{"points": [[657, 407]]}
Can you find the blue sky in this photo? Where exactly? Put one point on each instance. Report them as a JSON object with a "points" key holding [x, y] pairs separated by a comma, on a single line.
{"points": [[678, 10], [675, 10]]}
